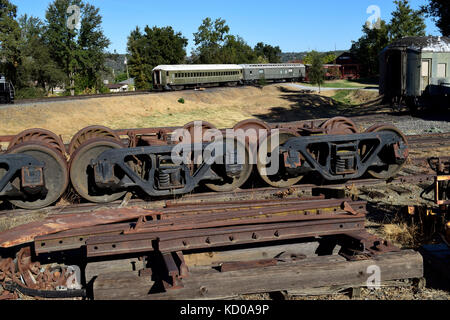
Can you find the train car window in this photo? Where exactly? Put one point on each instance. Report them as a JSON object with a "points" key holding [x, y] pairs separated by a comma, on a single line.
{"points": [[442, 70]]}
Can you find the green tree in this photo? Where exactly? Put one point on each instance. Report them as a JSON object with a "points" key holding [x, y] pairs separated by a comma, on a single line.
{"points": [[154, 47], [237, 51], [316, 72], [406, 22], [36, 64], [270, 53], [78, 52], [9, 40], [91, 44], [121, 77], [440, 11], [368, 47], [209, 39]]}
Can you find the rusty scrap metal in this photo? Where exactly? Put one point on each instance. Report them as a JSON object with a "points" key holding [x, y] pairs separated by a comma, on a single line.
{"points": [[31, 279], [27, 233]]}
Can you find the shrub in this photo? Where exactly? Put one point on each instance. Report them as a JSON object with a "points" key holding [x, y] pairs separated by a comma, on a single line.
{"points": [[181, 100]]}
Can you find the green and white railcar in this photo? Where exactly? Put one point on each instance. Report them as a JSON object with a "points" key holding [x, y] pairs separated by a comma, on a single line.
{"points": [[273, 72], [178, 77], [416, 70]]}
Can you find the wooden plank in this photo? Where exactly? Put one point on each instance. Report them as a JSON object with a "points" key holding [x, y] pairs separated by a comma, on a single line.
{"points": [[94, 269], [208, 283], [26, 233], [212, 258]]}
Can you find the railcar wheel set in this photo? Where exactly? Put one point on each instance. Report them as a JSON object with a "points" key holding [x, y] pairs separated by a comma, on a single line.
{"points": [[102, 164]]}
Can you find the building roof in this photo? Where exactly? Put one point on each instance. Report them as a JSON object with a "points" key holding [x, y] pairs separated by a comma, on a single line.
{"points": [[198, 67], [423, 44], [273, 65], [128, 81], [114, 85]]}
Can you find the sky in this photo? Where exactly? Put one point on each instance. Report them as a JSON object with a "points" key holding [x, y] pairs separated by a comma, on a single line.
{"points": [[294, 25]]}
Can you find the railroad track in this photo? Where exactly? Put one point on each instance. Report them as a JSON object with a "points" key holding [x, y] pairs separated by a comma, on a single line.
{"points": [[302, 190]]}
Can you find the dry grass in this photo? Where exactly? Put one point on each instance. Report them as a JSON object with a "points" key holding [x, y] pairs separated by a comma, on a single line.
{"points": [[223, 107], [400, 233], [7, 223]]}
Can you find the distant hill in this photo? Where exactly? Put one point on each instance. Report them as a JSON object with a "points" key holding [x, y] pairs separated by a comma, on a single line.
{"points": [[116, 62]]}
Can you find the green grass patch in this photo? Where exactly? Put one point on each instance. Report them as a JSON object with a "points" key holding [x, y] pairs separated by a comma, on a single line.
{"points": [[343, 97], [342, 84]]}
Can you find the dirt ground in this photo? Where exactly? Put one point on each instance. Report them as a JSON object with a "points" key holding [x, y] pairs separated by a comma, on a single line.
{"points": [[223, 107]]}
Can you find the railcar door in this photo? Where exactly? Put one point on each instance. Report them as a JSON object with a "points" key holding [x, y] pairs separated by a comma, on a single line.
{"points": [[426, 73]]}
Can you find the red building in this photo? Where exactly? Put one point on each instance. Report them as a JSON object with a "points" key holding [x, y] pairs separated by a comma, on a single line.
{"points": [[350, 67]]}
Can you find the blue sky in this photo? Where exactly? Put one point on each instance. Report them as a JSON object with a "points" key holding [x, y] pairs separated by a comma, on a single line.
{"points": [[294, 25]]}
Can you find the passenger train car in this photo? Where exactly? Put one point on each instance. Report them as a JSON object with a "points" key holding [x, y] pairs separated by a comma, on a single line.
{"points": [[416, 71], [6, 91], [178, 77]]}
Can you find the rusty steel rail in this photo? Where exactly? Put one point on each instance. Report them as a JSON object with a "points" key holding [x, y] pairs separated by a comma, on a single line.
{"points": [[195, 217]]}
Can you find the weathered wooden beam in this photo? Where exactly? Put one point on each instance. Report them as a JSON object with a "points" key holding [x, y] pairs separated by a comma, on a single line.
{"points": [[208, 283]]}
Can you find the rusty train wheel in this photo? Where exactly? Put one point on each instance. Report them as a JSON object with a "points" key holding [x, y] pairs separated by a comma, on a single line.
{"points": [[279, 180], [339, 126], [39, 135], [90, 133], [232, 183], [56, 176], [387, 154], [195, 136], [81, 172], [255, 130]]}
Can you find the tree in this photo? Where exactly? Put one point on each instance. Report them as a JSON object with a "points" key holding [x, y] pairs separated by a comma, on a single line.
{"points": [[36, 64], [440, 11], [325, 57], [268, 52], [368, 47], [406, 22], [92, 43], [79, 52], [237, 51], [154, 47], [9, 40], [209, 39], [316, 72]]}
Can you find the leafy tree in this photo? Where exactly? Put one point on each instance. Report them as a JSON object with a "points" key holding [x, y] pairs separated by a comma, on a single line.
{"points": [[9, 40], [92, 43], [325, 57], [368, 47], [406, 22], [209, 39], [270, 53], [78, 52], [440, 11], [36, 64], [329, 58], [237, 51], [316, 72], [154, 47], [121, 77]]}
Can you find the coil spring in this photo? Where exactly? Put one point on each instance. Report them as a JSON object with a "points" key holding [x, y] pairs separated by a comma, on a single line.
{"points": [[164, 178], [341, 164]]}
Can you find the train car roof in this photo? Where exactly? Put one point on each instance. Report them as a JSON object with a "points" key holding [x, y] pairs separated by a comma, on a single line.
{"points": [[422, 44], [272, 65], [198, 67]]}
